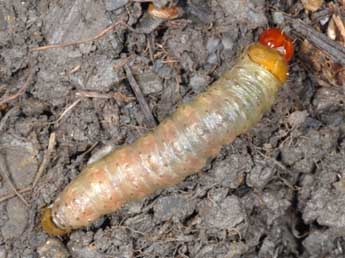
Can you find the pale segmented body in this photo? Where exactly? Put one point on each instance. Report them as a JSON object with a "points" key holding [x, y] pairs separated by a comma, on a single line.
{"points": [[178, 147]]}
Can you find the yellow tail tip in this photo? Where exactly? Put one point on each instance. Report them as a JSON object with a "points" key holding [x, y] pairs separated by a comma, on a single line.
{"points": [[48, 225]]}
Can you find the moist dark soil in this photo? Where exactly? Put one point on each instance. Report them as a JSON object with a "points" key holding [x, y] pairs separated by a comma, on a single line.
{"points": [[276, 191]]}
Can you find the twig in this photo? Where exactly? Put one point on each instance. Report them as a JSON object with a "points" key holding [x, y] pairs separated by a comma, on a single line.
{"points": [[20, 92], [83, 41], [150, 120], [118, 96], [334, 50], [150, 43], [69, 108], [5, 174], [121, 63], [75, 69], [11, 195], [46, 158], [63, 114]]}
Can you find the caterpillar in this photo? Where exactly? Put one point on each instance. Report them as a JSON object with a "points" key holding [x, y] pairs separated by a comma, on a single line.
{"points": [[182, 144]]}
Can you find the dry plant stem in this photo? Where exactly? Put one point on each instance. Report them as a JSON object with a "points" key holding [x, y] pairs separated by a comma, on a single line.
{"points": [[119, 97], [151, 122], [150, 43], [46, 158], [64, 113], [334, 50], [20, 91], [5, 174], [83, 41], [11, 195], [68, 109]]}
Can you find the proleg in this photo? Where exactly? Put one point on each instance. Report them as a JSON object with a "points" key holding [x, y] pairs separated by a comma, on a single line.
{"points": [[180, 146]]}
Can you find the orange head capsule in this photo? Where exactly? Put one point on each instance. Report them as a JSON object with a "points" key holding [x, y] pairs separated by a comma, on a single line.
{"points": [[275, 38], [165, 13], [273, 52]]}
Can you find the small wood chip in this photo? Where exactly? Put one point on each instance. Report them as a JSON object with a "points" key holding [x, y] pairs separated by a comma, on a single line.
{"points": [[333, 49], [312, 5]]}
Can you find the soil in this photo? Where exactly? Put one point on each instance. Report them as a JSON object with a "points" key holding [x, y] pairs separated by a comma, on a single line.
{"points": [[277, 191]]}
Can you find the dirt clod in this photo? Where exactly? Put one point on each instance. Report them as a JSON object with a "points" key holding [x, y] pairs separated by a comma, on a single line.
{"points": [[53, 248], [17, 220]]}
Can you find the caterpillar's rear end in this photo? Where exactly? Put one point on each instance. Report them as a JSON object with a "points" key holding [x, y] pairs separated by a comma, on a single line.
{"points": [[180, 145]]}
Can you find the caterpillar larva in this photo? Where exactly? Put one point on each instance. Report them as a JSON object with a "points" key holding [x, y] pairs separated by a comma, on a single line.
{"points": [[180, 145]]}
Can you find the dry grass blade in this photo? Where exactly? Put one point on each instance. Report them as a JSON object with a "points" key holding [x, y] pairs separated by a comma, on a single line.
{"points": [[46, 158], [69, 108], [118, 96], [11, 195], [83, 41], [140, 97]]}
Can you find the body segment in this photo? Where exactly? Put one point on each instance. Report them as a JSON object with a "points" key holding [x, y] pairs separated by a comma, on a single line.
{"points": [[179, 146]]}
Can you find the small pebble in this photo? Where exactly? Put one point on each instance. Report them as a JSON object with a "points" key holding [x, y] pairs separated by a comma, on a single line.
{"points": [[278, 18], [53, 248], [297, 118], [232, 215], [199, 82], [163, 70], [227, 41], [212, 45]]}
